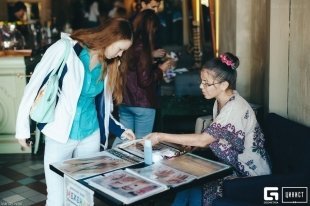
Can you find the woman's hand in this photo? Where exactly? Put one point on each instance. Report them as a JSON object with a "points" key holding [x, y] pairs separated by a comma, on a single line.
{"points": [[166, 65], [159, 53], [24, 144], [154, 137], [128, 134]]}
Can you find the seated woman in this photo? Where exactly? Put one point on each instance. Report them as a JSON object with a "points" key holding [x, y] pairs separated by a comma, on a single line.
{"points": [[234, 135]]}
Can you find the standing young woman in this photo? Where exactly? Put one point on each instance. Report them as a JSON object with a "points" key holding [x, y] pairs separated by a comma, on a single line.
{"points": [[90, 81], [140, 100], [234, 136]]}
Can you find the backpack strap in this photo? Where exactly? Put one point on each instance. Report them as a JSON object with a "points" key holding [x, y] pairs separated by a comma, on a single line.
{"points": [[62, 70], [77, 48]]}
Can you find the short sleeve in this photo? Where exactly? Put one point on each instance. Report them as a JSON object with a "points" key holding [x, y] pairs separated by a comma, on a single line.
{"points": [[227, 127]]}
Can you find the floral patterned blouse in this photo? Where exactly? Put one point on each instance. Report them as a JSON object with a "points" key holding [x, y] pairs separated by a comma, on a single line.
{"points": [[240, 141]]}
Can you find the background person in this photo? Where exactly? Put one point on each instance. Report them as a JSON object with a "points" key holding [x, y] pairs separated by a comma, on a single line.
{"points": [[19, 11], [91, 74], [234, 136], [22, 32], [142, 5], [140, 91]]}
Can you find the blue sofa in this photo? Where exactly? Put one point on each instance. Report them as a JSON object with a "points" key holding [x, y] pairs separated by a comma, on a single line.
{"points": [[288, 145]]}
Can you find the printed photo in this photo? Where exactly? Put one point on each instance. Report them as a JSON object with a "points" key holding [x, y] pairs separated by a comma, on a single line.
{"points": [[125, 186], [103, 162], [194, 165], [164, 174]]}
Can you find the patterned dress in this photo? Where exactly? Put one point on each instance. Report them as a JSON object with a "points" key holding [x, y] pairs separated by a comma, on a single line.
{"points": [[239, 143]]}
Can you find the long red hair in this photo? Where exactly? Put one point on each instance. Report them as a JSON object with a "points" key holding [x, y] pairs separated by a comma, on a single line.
{"points": [[99, 38]]}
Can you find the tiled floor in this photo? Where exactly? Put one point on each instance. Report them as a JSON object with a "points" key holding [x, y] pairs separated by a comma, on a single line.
{"points": [[22, 180]]}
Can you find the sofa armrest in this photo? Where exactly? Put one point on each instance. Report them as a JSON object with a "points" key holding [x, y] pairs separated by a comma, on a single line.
{"points": [[251, 189]]}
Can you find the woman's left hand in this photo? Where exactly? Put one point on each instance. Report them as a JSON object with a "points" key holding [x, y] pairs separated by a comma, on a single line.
{"points": [[128, 134], [159, 53], [165, 66]]}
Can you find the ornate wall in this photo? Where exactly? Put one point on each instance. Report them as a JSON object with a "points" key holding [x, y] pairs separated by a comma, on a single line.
{"points": [[298, 90], [271, 37], [242, 31], [289, 59]]}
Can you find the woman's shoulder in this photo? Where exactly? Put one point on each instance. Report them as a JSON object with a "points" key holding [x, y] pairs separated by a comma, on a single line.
{"points": [[61, 43], [236, 105], [243, 109], [239, 102]]}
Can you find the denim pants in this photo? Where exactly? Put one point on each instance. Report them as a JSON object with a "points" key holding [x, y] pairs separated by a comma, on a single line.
{"points": [[57, 152], [139, 119], [190, 197]]}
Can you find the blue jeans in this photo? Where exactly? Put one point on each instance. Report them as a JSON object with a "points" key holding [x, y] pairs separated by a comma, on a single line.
{"points": [[58, 152], [190, 197], [139, 119]]}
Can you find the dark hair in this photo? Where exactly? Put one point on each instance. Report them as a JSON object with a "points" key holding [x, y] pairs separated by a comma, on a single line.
{"points": [[145, 27], [138, 3], [99, 38], [19, 6], [224, 68]]}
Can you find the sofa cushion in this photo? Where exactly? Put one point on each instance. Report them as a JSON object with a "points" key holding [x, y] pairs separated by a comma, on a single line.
{"points": [[288, 145]]}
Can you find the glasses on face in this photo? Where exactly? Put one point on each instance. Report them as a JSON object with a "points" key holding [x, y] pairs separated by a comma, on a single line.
{"points": [[206, 84]]}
